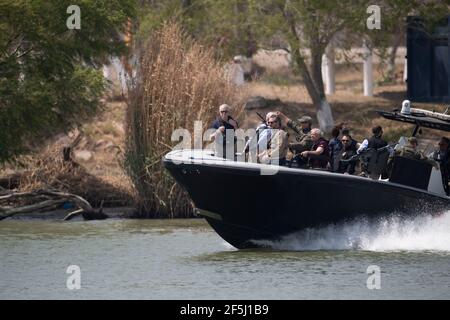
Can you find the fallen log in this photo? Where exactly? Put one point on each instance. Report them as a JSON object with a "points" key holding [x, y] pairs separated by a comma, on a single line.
{"points": [[47, 199], [73, 214]]}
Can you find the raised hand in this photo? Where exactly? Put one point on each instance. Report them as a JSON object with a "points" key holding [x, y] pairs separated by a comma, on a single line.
{"points": [[233, 123]]}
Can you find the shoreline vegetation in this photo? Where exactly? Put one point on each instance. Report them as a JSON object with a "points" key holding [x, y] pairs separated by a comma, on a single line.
{"points": [[178, 82], [113, 161]]}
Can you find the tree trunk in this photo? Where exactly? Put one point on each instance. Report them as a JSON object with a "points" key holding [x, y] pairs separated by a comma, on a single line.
{"points": [[314, 84], [324, 113], [316, 70], [325, 116]]}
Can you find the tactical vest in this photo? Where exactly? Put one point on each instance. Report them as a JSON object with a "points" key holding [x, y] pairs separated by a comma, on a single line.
{"points": [[409, 152]]}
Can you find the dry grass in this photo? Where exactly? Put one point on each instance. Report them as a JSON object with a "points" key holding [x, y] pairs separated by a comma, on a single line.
{"points": [[47, 170], [178, 83]]}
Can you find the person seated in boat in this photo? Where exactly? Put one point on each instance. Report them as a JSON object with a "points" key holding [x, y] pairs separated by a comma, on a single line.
{"points": [[260, 135], [276, 140], [263, 129], [410, 150], [223, 123], [335, 146], [303, 140], [373, 143], [319, 155], [346, 132], [347, 162]]}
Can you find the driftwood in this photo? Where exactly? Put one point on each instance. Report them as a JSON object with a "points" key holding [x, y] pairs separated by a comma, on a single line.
{"points": [[47, 200]]}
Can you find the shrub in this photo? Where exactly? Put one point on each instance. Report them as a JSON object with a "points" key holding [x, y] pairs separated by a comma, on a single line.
{"points": [[177, 82]]}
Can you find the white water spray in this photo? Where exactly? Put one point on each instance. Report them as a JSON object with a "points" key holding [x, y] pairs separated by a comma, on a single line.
{"points": [[388, 234]]}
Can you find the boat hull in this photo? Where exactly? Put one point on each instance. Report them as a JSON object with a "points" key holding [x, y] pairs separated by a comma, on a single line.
{"points": [[243, 206]]}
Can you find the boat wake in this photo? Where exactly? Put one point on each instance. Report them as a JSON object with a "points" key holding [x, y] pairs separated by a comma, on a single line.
{"points": [[424, 233]]}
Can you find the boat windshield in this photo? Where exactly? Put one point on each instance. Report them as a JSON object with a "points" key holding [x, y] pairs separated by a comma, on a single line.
{"points": [[426, 146]]}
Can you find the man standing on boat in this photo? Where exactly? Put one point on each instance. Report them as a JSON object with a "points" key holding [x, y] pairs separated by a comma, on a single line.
{"points": [[442, 156], [222, 124], [373, 143]]}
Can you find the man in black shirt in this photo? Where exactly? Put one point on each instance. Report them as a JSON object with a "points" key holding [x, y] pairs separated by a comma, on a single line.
{"points": [[223, 123], [347, 166], [442, 156], [373, 143]]}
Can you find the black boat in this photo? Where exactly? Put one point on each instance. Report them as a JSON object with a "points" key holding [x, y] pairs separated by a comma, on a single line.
{"points": [[244, 206]]}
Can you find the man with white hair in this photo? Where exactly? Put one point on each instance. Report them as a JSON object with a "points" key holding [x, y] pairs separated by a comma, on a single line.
{"points": [[223, 123], [262, 129], [261, 138], [276, 143], [319, 155]]}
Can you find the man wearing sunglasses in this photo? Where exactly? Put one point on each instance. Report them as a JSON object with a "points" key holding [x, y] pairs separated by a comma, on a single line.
{"points": [[276, 140], [223, 123], [346, 165], [442, 156]]}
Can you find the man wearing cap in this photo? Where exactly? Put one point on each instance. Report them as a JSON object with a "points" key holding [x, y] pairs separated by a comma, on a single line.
{"points": [[410, 150], [303, 139]]}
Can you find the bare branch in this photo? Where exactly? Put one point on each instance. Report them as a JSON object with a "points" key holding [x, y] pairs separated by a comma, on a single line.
{"points": [[52, 199]]}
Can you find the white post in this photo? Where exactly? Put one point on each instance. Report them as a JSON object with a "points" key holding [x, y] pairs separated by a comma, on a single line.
{"points": [[330, 85], [368, 70], [405, 70], [324, 71]]}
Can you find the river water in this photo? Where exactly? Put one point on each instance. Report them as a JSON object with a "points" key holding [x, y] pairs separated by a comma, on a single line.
{"points": [[186, 259]]}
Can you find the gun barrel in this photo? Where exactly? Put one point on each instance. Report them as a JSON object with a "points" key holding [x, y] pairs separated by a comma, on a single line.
{"points": [[262, 118]]}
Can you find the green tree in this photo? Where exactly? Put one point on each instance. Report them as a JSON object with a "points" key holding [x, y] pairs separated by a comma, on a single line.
{"points": [[49, 77]]}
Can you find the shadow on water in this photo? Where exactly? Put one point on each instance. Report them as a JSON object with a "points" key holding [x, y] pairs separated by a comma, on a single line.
{"points": [[44, 229], [268, 254], [265, 255]]}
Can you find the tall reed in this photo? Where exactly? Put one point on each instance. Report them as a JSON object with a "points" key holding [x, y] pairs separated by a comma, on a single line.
{"points": [[178, 81]]}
